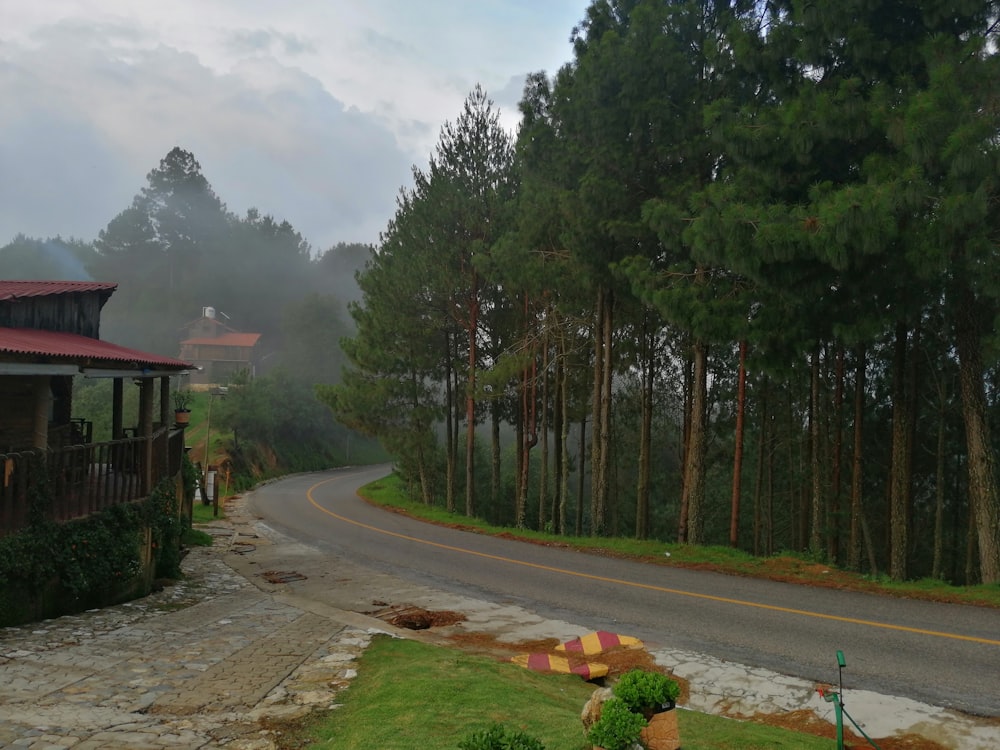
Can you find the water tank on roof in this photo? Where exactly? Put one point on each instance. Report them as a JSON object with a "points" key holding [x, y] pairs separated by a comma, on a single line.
{"points": [[208, 312]]}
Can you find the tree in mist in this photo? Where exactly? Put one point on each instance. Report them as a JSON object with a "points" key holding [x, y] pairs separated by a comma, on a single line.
{"points": [[53, 258], [156, 250], [313, 328]]}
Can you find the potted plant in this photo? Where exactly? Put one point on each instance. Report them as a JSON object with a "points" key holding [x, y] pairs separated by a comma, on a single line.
{"points": [[182, 402], [619, 728], [640, 714], [647, 693]]}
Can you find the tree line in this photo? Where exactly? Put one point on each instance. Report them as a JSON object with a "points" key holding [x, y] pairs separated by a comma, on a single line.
{"points": [[733, 281], [176, 249]]}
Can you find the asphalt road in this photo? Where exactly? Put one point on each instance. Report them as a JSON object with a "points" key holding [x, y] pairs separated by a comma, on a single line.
{"points": [[941, 654]]}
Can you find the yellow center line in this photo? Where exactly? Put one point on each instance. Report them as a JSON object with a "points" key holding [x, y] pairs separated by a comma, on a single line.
{"points": [[648, 586]]}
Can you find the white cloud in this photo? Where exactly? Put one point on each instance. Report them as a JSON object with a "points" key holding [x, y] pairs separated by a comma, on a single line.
{"points": [[312, 111]]}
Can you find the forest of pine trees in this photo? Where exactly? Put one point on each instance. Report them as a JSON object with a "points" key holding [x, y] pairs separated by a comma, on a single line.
{"points": [[734, 281]]}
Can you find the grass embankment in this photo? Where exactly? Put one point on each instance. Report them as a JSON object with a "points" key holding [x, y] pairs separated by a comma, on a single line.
{"points": [[413, 695], [789, 567]]}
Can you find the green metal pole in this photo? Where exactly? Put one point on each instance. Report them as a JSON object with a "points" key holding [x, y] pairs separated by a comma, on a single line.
{"points": [[839, 711]]}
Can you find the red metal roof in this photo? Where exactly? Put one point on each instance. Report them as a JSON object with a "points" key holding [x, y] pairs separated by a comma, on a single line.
{"points": [[72, 347], [15, 289], [226, 339]]}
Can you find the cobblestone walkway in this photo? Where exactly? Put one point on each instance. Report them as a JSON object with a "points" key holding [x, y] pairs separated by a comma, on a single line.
{"points": [[196, 665]]}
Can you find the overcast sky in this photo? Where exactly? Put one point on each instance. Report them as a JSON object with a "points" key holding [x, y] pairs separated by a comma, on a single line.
{"points": [[313, 111]]}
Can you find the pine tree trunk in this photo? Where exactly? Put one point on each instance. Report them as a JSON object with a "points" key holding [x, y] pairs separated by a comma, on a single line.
{"points": [[899, 485], [741, 397], [758, 494], [971, 547], [450, 432], [645, 434], [530, 439], [834, 523], [425, 485], [857, 461], [797, 497], [607, 373], [558, 508], [694, 469], [470, 402], [815, 465], [601, 439], [581, 474], [495, 455], [682, 519], [939, 484], [983, 494], [563, 440], [543, 468], [596, 437], [520, 439]]}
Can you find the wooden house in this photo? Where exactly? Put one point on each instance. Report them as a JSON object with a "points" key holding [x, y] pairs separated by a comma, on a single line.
{"points": [[218, 351], [49, 335]]}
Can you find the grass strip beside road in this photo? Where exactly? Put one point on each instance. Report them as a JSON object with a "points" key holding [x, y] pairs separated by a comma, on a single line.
{"points": [[414, 695], [788, 566]]}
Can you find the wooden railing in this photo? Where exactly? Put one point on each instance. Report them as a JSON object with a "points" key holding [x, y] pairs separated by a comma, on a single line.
{"points": [[86, 479]]}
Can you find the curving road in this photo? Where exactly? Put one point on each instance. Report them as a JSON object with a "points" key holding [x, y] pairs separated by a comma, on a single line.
{"points": [[941, 654]]}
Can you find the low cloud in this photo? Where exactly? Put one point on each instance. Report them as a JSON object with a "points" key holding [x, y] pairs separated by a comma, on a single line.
{"points": [[92, 118]]}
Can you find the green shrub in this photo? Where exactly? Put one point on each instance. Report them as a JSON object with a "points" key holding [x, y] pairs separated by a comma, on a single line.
{"points": [[646, 692], [618, 728], [499, 737]]}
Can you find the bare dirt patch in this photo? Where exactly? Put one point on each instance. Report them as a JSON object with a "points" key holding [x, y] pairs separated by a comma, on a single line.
{"points": [[410, 617]]}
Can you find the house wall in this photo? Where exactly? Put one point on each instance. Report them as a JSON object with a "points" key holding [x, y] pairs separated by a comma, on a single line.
{"points": [[17, 395], [66, 313]]}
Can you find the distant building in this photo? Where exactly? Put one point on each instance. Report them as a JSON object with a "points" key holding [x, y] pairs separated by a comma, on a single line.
{"points": [[217, 350]]}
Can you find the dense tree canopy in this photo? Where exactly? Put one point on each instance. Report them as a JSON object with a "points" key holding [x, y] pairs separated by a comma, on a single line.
{"points": [[736, 248], [774, 224]]}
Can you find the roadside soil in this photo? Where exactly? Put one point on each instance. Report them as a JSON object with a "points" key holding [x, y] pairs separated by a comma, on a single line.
{"points": [[621, 660]]}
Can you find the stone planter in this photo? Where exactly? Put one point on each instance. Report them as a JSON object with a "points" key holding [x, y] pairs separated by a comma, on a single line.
{"points": [[661, 733]]}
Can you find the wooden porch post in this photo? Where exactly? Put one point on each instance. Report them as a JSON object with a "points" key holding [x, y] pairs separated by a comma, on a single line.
{"points": [[165, 410], [146, 430], [40, 425], [117, 409]]}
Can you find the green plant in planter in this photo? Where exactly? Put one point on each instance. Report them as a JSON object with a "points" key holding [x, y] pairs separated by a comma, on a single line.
{"points": [[647, 692], [618, 728], [182, 400]]}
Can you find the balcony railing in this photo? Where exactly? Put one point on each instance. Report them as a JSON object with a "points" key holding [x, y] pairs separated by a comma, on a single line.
{"points": [[86, 479]]}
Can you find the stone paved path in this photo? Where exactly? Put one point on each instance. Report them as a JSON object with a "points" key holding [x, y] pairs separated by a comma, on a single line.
{"points": [[197, 665]]}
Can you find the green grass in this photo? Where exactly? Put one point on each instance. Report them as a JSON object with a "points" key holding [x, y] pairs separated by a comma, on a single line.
{"points": [[787, 566], [414, 695], [196, 538], [202, 513]]}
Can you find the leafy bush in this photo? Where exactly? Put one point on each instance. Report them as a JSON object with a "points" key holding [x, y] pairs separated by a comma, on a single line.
{"points": [[618, 728], [645, 692], [499, 737]]}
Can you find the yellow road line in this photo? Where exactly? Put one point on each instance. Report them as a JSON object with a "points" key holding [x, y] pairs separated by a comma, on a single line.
{"points": [[647, 586]]}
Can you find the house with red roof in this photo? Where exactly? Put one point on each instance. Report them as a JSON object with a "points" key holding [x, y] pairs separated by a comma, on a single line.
{"points": [[217, 350], [50, 335]]}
